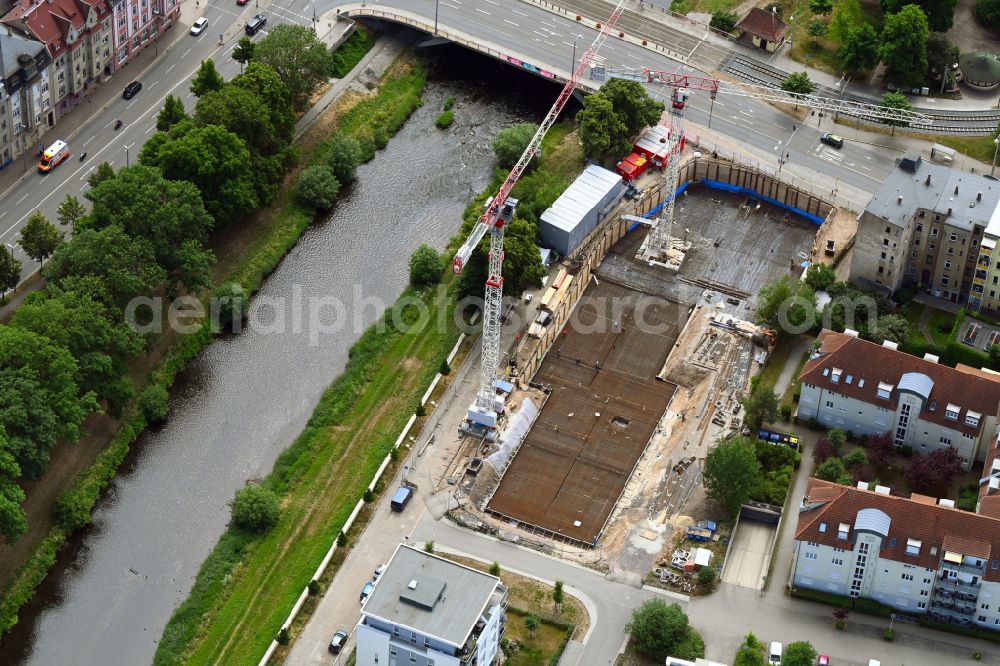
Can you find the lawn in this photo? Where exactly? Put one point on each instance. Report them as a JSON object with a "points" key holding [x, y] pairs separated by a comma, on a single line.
{"points": [[821, 52], [536, 650], [703, 6]]}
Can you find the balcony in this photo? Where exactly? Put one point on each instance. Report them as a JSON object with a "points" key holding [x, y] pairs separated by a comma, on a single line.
{"points": [[964, 568], [956, 587]]}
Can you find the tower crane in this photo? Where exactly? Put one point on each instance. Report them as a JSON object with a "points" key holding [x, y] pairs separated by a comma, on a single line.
{"points": [[658, 243], [482, 415]]}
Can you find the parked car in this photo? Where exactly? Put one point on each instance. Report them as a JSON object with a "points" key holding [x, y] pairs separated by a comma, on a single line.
{"points": [[774, 653], [131, 90], [337, 642], [832, 139], [401, 498], [241, 3], [199, 26], [378, 571], [255, 24], [366, 591]]}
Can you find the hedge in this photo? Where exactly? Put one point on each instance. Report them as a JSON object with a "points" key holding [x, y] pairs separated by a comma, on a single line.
{"points": [[866, 606]]}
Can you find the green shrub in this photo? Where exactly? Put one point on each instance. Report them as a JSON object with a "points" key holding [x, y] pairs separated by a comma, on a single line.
{"points": [[343, 155], [426, 266], [317, 187], [786, 412], [706, 576], [888, 634], [255, 508], [511, 142], [445, 120], [230, 302], [429, 547], [448, 103], [368, 497], [154, 403], [691, 647], [282, 636], [341, 539], [445, 368], [314, 588], [724, 21]]}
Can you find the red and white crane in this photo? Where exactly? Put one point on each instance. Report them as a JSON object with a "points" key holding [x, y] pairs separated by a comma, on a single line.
{"points": [[499, 212]]}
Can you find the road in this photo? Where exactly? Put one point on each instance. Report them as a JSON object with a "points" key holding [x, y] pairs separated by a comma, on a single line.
{"points": [[170, 73]]}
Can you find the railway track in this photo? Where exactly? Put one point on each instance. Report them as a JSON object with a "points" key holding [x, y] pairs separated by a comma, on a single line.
{"points": [[944, 122]]}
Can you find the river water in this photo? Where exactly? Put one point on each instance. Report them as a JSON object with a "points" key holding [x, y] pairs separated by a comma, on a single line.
{"points": [[247, 396]]}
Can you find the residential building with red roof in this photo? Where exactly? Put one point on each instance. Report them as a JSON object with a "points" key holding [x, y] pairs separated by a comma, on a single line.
{"points": [[865, 388], [763, 29], [919, 555]]}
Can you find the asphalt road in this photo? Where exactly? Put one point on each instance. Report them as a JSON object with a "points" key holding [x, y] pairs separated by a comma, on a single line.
{"points": [[170, 73]]}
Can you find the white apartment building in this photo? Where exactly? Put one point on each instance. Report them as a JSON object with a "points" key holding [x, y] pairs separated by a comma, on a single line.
{"points": [[429, 611], [26, 108], [917, 554], [868, 389]]}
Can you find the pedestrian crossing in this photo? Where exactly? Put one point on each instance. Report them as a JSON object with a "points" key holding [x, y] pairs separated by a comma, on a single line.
{"points": [[829, 154]]}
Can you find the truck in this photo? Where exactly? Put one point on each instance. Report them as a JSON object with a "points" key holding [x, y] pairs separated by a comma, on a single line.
{"points": [[55, 155]]}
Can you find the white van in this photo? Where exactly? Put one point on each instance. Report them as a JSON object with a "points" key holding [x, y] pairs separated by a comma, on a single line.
{"points": [[774, 653], [874, 662]]}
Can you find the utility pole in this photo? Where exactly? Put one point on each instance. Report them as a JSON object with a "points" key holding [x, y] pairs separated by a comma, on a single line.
{"points": [[572, 67], [436, 3], [126, 155]]}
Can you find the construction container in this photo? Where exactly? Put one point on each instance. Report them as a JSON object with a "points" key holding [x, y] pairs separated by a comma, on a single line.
{"points": [[577, 210], [653, 146], [632, 167]]}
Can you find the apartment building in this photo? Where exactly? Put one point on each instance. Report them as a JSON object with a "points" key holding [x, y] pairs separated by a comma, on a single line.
{"points": [[429, 611], [919, 555], [25, 97], [867, 389], [927, 225]]}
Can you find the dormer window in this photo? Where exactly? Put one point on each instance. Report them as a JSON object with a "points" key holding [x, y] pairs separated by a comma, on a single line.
{"points": [[885, 390], [843, 530], [972, 418], [835, 375], [849, 379], [912, 547], [951, 412]]}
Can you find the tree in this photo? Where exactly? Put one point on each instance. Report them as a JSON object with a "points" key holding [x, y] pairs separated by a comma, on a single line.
{"points": [[244, 113], [123, 266], [881, 450], [799, 653], [343, 157], [531, 623], [819, 276], [511, 142], [941, 55], [39, 237], [13, 522], [426, 266], [265, 83], [787, 306], [243, 53], [706, 576], [172, 113], [633, 104], [892, 327], [820, 6], [859, 49], [940, 13], [898, 102], [831, 470], [557, 595], [341, 539], [837, 438], [822, 451], [206, 79], [10, 271], [935, 470], [846, 15], [84, 327], [903, 46], [751, 652], [817, 28], [255, 508], [855, 459], [732, 473], [761, 405], [602, 131], [988, 13], [495, 569], [70, 211], [798, 83], [166, 214], [40, 402], [317, 187], [103, 172], [724, 21], [523, 267], [299, 58], [657, 628], [154, 402]]}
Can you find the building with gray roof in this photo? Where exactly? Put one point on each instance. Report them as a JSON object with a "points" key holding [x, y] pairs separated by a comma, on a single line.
{"points": [[926, 225], [426, 610], [26, 106]]}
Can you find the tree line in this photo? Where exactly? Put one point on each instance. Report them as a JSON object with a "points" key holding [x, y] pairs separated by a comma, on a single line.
{"points": [[65, 353]]}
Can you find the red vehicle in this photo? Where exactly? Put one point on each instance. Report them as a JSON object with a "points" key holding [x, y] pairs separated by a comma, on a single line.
{"points": [[242, 2], [632, 167]]}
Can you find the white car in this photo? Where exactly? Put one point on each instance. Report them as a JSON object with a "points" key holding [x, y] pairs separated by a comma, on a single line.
{"points": [[199, 26]]}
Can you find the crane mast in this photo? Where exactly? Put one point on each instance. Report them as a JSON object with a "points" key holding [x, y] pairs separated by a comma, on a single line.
{"points": [[500, 211]]}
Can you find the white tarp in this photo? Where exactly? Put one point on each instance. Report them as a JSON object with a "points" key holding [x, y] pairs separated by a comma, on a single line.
{"points": [[702, 556], [517, 427]]}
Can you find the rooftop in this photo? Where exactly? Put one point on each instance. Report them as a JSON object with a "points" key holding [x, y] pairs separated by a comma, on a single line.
{"points": [[14, 44], [914, 532], [430, 595], [875, 374], [764, 24], [587, 191], [917, 184], [981, 67]]}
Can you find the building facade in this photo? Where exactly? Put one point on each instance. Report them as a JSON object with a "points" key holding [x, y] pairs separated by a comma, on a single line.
{"points": [[26, 103], [859, 386], [428, 611], [927, 225], [918, 555]]}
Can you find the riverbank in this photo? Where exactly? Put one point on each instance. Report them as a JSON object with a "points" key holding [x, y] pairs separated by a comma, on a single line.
{"points": [[247, 259]]}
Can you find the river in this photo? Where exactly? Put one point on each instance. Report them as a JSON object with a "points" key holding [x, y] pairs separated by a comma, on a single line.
{"points": [[247, 396]]}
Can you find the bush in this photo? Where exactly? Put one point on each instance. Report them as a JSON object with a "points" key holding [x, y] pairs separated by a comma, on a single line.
{"points": [[724, 21], [658, 628], [317, 187], [154, 403], [888, 634], [314, 588], [495, 569], [448, 103], [706, 576], [445, 120], [368, 497], [786, 412], [429, 547], [341, 539], [817, 28], [988, 12], [343, 156], [255, 508], [510, 143], [426, 266], [282, 638], [691, 647], [231, 302]]}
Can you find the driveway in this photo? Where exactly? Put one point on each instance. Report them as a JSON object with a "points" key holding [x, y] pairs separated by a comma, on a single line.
{"points": [[748, 554]]}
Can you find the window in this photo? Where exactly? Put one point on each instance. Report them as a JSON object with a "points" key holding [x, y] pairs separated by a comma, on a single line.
{"points": [[944, 281], [981, 618], [850, 378], [931, 246], [413, 658], [944, 441], [835, 375], [920, 227], [826, 372], [953, 238], [843, 531], [885, 243], [929, 259], [972, 419], [829, 404], [395, 632], [913, 255], [810, 556], [947, 265], [921, 605], [837, 562], [888, 230], [934, 231], [861, 383], [995, 564], [913, 547], [951, 250], [392, 651], [885, 390], [951, 411], [907, 576], [822, 530], [985, 607], [917, 242]]}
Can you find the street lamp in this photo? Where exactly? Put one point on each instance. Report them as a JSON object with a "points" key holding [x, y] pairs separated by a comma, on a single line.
{"points": [[126, 154], [996, 142], [314, 16], [791, 38], [842, 91], [572, 68]]}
